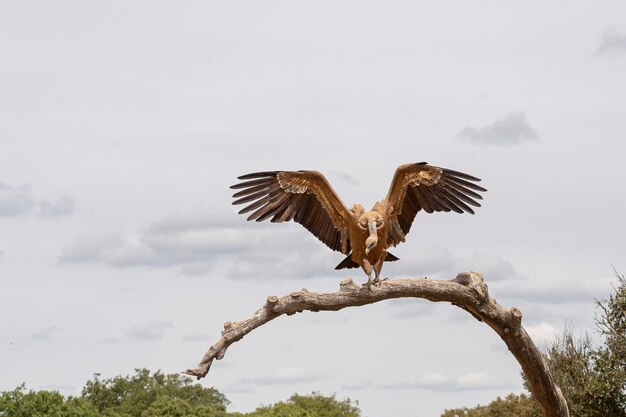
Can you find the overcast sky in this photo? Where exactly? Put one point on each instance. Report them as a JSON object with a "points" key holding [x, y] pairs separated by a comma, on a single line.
{"points": [[122, 124]]}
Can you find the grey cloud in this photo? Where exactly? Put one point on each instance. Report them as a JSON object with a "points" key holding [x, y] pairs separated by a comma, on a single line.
{"points": [[147, 331], [237, 387], [199, 244], [284, 376], [440, 262], [19, 201], [343, 176], [440, 382], [612, 44], [356, 385], [410, 308], [574, 293], [62, 206], [413, 309], [430, 261], [196, 337], [193, 221], [297, 261], [512, 129], [45, 334], [152, 330], [15, 201], [91, 247], [110, 340]]}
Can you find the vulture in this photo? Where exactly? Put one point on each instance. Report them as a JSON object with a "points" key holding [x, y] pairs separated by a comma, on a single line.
{"points": [[363, 236]]}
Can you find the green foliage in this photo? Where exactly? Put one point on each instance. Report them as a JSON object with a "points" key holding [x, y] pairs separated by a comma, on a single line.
{"points": [[19, 403], [170, 407], [592, 376], [131, 396], [511, 406], [313, 405], [157, 395], [593, 379]]}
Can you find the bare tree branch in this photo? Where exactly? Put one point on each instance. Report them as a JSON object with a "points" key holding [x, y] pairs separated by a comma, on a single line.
{"points": [[467, 291]]}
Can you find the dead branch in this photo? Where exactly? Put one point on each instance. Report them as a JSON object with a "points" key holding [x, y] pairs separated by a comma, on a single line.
{"points": [[467, 291]]}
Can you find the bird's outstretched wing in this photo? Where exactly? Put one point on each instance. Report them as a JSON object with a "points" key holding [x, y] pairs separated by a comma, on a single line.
{"points": [[303, 196], [426, 187]]}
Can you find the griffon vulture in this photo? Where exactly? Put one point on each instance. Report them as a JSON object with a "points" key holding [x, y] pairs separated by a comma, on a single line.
{"points": [[364, 236]]}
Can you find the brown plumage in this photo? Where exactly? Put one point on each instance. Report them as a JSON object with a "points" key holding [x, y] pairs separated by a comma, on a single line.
{"points": [[307, 198]]}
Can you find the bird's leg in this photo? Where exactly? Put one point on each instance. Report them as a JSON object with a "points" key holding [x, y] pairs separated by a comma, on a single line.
{"points": [[378, 266], [367, 267]]}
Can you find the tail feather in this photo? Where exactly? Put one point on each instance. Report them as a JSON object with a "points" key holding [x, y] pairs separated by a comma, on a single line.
{"points": [[347, 263], [391, 258]]}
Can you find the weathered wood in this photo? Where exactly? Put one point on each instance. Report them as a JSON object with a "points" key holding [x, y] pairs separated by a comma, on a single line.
{"points": [[467, 291]]}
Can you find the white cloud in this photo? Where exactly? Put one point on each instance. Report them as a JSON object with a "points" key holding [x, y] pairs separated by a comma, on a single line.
{"points": [[477, 380], [541, 333], [612, 44], [512, 129], [434, 380]]}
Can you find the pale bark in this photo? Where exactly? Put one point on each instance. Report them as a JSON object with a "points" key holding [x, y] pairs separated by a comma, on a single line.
{"points": [[467, 291]]}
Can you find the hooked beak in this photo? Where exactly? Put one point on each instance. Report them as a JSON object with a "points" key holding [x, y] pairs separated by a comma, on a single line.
{"points": [[372, 240]]}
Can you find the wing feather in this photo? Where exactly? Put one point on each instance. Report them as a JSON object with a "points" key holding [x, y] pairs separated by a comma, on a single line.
{"points": [[464, 190], [251, 190], [254, 205], [305, 197], [466, 184], [426, 187], [247, 184]]}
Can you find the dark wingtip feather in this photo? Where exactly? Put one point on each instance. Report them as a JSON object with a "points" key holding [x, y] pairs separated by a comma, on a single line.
{"points": [[467, 184], [460, 174], [258, 175]]}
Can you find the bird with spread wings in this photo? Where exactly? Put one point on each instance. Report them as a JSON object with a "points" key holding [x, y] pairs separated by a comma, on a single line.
{"points": [[307, 198]]}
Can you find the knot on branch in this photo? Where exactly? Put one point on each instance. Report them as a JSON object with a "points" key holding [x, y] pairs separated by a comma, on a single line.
{"points": [[516, 317], [474, 281], [270, 303], [228, 326], [348, 285]]}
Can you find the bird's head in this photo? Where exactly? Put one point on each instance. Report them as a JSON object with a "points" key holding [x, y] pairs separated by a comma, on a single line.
{"points": [[371, 221]]}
